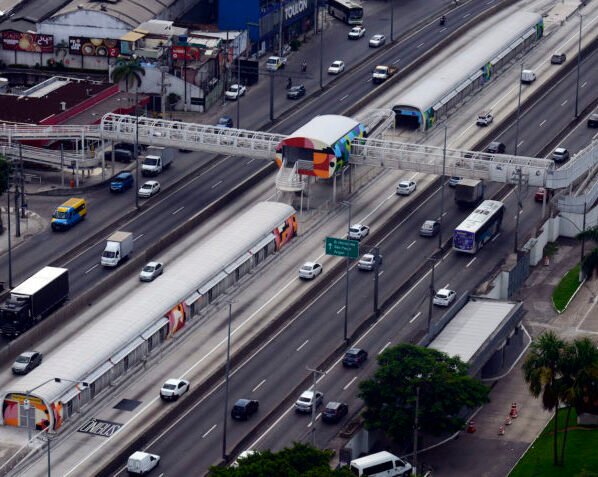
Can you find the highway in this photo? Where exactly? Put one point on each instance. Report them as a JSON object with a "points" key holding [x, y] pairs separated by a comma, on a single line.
{"points": [[179, 204]]}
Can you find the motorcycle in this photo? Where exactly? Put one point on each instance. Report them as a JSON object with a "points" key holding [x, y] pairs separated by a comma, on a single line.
{"points": [[442, 20]]}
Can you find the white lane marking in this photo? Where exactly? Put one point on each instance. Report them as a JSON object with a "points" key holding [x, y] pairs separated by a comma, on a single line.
{"points": [[470, 262], [95, 266], [542, 123], [380, 272], [340, 309], [304, 343], [444, 29], [495, 237], [368, 80], [415, 317], [396, 61], [384, 347], [490, 2], [138, 237], [519, 145], [317, 417], [584, 83], [249, 162], [411, 244], [349, 383], [217, 184], [420, 45], [343, 98], [466, 15], [209, 430], [178, 210], [564, 102], [258, 385], [447, 285]]}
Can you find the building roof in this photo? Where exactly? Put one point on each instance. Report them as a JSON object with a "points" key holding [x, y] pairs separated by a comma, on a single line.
{"points": [[104, 341], [326, 129], [482, 49], [34, 108], [29, 13], [467, 332]]}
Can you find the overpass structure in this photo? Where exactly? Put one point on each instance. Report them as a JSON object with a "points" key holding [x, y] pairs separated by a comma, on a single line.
{"points": [[370, 151]]}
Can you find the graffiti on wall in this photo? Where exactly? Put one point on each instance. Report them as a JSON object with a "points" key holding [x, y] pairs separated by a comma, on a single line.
{"points": [[177, 317]]}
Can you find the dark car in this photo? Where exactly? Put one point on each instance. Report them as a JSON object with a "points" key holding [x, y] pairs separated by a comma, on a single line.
{"points": [[593, 120], [496, 147], [120, 155], [27, 361], [244, 408], [121, 182], [225, 122], [558, 58], [334, 412], [355, 357], [295, 92]]}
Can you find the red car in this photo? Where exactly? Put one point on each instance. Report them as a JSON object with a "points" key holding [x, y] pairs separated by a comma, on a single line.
{"points": [[540, 193]]}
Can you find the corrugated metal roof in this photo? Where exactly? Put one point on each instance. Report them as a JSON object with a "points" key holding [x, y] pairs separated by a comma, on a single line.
{"points": [[471, 327], [455, 69], [326, 129], [147, 303]]}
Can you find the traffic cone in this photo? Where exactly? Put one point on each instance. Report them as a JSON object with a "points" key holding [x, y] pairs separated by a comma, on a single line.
{"points": [[471, 427], [508, 421], [513, 412], [501, 430]]}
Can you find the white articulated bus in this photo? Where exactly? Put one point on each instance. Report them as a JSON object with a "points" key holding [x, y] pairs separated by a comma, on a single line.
{"points": [[381, 464]]}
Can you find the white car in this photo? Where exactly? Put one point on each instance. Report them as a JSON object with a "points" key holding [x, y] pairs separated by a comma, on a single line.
{"points": [[310, 270], [174, 389], [484, 118], [243, 455], [444, 297], [235, 91], [149, 189], [368, 261], [406, 187], [151, 271], [336, 67], [356, 33], [377, 40], [306, 400], [358, 231]]}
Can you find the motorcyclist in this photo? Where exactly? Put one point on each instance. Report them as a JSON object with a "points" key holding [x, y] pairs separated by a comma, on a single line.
{"points": [[442, 20], [289, 83], [304, 66]]}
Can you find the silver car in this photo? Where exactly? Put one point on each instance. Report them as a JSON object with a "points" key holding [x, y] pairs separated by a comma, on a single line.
{"points": [[151, 271], [368, 261], [307, 400], [27, 361]]}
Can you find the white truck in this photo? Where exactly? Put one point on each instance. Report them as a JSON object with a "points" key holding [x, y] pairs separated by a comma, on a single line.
{"points": [[528, 76], [156, 160], [382, 72], [118, 247], [275, 63], [141, 463]]}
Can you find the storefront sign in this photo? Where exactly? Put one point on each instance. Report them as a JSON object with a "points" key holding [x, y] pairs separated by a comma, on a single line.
{"points": [[14, 40], [294, 9], [190, 53], [80, 45], [97, 427]]}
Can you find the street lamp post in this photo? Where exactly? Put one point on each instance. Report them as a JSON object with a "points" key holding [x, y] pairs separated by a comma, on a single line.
{"points": [[578, 66], [345, 337], [518, 112], [516, 243], [321, 48], [442, 189], [416, 426], [432, 291], [9, 239], [392, 20], [136, 149], [227, 378], [376, 279], [315, 373]]}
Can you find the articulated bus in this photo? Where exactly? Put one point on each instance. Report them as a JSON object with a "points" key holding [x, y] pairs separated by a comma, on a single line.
{"points": [[346, 10], [477, 229]]}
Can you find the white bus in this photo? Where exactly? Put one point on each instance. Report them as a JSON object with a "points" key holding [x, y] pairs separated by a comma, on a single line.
{"points": [[477, 229], [347, 11], [381, 464]]}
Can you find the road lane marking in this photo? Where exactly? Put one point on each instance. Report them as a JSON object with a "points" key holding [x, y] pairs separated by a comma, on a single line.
{"points": [[420, 45], [349, 383], [564, 102], [305, 342], [384, 347], [317, 417], [247, 163], [258, 385], [471, 261], [380, 273], [217, 184], [495, 237], [343, 98], [209, 430], [466, 15], [444, 29], [519, 145], [414, 318], [584, 83], [340, 309], [447, 285], [542, 123], [95, 266], [396, 61], [368, 80], [411, 244], [178, 210], [138, 237]]}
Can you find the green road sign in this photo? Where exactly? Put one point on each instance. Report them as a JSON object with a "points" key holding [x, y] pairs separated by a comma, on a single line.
{"points": [[342, 247]]}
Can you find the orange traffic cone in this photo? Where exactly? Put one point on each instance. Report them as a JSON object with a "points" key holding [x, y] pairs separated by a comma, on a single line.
{"points": [[508, 421], [513, 412], [471, 427], [501, 430]]}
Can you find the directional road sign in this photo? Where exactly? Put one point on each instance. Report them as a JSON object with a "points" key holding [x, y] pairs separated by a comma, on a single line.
{"points": [[342, 247]]}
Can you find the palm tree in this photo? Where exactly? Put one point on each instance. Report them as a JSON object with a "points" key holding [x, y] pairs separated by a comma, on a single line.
{"points": [[580, 379], [590, 262], [542, 372], [129, 71]]}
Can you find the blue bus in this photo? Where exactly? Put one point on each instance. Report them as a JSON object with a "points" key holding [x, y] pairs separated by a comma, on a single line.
{"points": [[347, 11], [477, 229]]}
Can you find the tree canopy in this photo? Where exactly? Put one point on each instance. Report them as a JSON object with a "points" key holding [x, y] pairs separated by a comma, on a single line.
{"points": [[445, 388], [590, 261], [300, 460], [130, 71]]}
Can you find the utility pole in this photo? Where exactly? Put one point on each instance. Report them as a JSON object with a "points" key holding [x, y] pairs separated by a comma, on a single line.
{"points": [[578, 67], [16, 181], [345, 337], [9, 239], [518, 111], [163, 70], [432, 292], [515, 245], [238, 86], [321, 52], [392, 20], [583, 243], [271, 96], [136, 149], [377, 259], [440, 220], [416, 429], [227, 378], [22, 177], [280, 31], [315, 373]]}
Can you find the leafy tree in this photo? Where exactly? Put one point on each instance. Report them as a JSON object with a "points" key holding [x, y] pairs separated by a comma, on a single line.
{"points": [[300, 460], [590, 262], [445, 389], [131, 71], [580, 380], [542, 371]]}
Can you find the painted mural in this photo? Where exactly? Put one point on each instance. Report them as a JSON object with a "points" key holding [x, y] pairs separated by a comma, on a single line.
{"points": [[13, 403], [285, 232], [177, 318]]}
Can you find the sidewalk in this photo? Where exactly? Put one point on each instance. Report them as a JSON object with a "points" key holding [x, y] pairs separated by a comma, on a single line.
{"points": [[485, 453]]}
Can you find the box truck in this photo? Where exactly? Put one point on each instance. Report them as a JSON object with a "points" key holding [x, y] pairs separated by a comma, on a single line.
{"points": [[156, 160], [469, 192], [118, 247]]}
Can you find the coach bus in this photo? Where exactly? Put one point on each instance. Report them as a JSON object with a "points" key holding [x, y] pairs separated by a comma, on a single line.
{"points": [[346, 10], [477, 229]]}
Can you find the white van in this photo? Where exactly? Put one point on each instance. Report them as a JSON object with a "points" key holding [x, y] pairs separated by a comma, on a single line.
{"points": [[381, 464], [141, 463], [528, 76]]}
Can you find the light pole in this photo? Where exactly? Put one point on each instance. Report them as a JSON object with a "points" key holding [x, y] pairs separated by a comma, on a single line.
{"points": [[136, 149], [416, 425], [376, 279], [432, 292], [9, 239], [392, 20], [345, 337], [227, 377], [583, 240], [442, 189], [518, 112], [515, 245], [315, 373], [578, 66], [321, 47]]}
